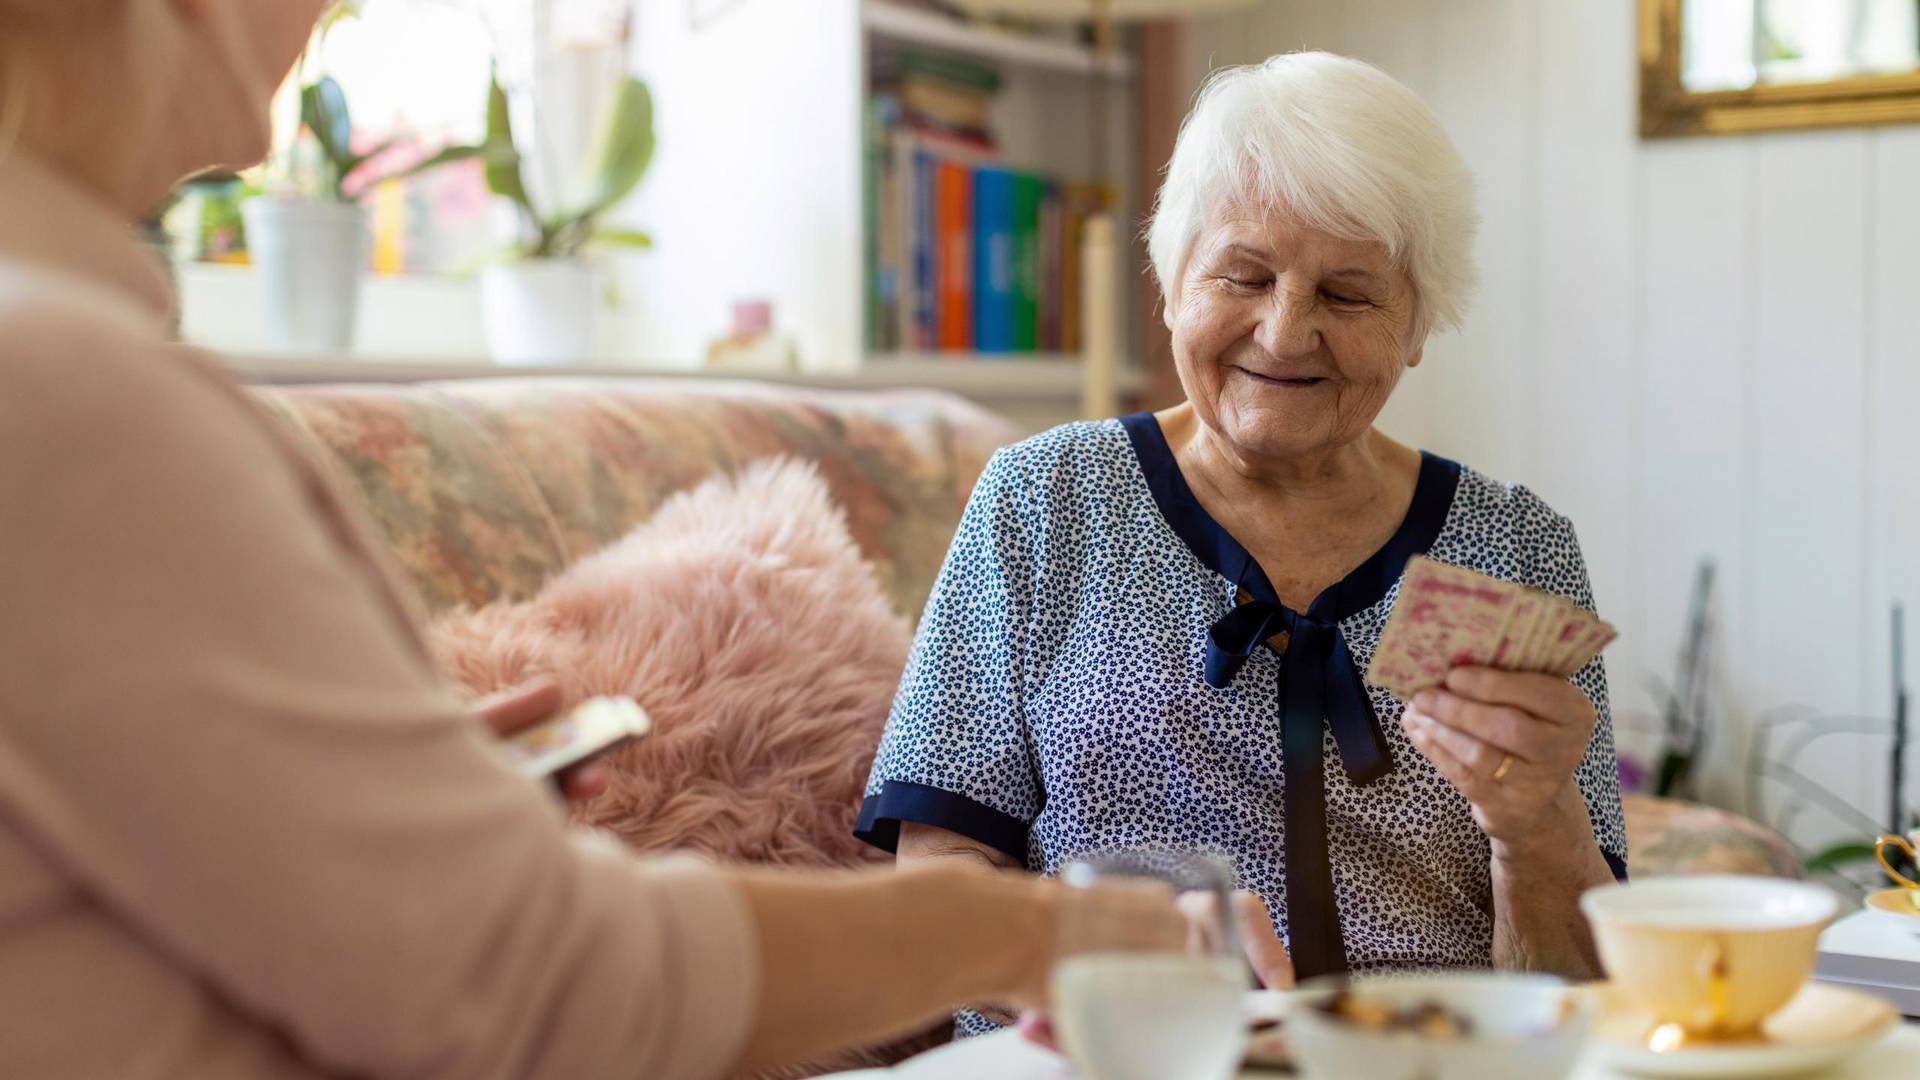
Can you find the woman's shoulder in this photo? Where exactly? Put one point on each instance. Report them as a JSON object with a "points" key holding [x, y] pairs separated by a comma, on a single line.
{"points": [[1071, 462], [69, 337], [1506, 529], [1484, 496], [92, 384]]}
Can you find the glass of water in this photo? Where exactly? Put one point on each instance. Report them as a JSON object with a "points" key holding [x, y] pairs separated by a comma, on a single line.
{"points": [[1157, 1015]]}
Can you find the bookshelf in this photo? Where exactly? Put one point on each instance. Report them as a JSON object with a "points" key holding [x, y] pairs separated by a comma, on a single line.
{"points": [[759, 189], [935, 31]]}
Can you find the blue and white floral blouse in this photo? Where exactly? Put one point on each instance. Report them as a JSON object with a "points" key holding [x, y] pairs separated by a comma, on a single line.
{"points": [[1084, 680]]}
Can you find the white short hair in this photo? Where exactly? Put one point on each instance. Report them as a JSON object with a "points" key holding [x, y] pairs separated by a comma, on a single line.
{"points": [[1337, 145]]}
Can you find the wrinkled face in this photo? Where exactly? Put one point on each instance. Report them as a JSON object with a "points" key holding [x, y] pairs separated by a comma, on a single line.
{"points": [[1289, 340]]}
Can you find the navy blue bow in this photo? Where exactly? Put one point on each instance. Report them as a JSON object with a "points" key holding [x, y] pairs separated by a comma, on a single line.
{"points": [[1319, 688], [1318, 665]]}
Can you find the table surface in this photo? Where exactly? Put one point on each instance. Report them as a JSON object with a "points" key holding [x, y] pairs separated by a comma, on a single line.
{"points": [[1005, 1056]]}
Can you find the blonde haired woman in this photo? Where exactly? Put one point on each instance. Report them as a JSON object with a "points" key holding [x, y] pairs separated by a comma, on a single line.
{"points": [[245, 830]]}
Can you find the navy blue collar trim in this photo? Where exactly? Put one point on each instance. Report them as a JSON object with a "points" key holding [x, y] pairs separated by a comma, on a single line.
{"points": [[1366, 586]]}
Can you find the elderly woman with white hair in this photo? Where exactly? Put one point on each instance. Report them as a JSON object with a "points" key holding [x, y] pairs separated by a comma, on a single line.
{"points": [[1087, 676]]}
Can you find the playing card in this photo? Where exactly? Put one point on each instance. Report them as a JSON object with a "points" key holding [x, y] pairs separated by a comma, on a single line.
{"points": [[1599, 634], [592, 726], [1533, 656], [1528, 608], [1567, 638], [1445, 616]]}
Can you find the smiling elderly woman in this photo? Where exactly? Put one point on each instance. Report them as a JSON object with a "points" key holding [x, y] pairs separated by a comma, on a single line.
{"points": [[1077, 685]]}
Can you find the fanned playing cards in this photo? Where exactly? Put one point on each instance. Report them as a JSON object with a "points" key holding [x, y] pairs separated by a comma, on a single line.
{"points": [[1448, 615]]}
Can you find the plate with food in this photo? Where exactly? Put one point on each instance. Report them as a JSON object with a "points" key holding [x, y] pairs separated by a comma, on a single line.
{"points": [[1442, 1026]]}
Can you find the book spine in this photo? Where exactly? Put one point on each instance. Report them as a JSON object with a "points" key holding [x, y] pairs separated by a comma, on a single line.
{"points": [[922, 227], [1050, 248], [1027, 191], [994, 284], [883, 225], [1074, 217], [955, 256]]}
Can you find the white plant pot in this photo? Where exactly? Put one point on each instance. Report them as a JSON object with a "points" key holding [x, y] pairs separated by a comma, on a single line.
{"points": [[541, 312], [310, 257]]}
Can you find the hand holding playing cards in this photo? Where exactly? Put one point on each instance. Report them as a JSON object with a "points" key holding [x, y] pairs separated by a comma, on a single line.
{"points": [[523, 707], [1483, 665], [1510, 742]]}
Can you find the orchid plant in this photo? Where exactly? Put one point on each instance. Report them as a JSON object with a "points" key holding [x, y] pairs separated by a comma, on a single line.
{"points": [[615, 166], [342, 174]]}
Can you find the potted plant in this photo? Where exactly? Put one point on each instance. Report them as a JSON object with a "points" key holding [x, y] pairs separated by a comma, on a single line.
{"points": [[307, 235], [542, 302]]}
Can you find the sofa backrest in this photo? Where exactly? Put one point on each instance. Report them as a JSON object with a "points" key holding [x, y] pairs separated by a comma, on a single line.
{"points": [[486, 488]]}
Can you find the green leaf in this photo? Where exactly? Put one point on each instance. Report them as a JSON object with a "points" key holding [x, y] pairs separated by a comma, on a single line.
{"points": [[354, 161], [445, 157], [323, 109], [626, 238], [1839, 855], [623, 150], [503, 158]]}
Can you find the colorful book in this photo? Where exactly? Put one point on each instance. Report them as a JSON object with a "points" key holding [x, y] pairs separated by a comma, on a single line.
{"points": [[995, 288], [953, 274], [878, 214], [1074, 216], [909, 246], [965, 253], [1052, 233], [1028, 190]]}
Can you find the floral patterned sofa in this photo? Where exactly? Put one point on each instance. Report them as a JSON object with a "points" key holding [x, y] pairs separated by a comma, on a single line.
{"points": [[486, 488]]}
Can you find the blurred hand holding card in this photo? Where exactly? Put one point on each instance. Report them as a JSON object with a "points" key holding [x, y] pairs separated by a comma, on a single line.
{"points": [[1446, 616], [590, 728]]}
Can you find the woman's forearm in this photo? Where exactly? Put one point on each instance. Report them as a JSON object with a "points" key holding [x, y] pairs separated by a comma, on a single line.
{"points": [[925, 845], [920, 844], [1537, 925], [857, 958]]}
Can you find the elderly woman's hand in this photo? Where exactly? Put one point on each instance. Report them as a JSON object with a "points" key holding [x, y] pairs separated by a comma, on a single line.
{"points": [[1510, 743]]}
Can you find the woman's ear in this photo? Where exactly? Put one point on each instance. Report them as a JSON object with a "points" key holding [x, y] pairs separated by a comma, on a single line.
{"points": [[1419, 354]]}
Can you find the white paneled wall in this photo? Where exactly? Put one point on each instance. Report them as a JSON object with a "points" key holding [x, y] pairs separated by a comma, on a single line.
{"points": [[1693, 348]]}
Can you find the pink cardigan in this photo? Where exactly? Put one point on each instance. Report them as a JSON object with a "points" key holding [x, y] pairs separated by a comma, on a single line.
{"points": [[245, 829]]}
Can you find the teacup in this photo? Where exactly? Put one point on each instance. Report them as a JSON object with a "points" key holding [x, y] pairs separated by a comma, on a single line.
{"points": [[1880, 847], [1711, 955]]}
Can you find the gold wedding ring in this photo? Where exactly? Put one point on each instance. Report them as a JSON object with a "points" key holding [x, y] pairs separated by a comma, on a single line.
{"points": [[1500, 772]]}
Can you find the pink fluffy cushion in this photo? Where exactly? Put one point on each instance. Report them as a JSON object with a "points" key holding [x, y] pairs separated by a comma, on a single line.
{"points": [[743, 618]]}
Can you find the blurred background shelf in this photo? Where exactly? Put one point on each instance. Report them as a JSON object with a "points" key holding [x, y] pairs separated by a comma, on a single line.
{"points": [[933, 30]]}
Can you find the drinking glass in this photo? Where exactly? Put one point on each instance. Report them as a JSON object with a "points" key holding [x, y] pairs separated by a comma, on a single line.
{"points": [[1157, 1015]]}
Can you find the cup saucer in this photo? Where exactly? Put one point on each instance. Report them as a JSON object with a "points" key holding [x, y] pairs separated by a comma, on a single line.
{"points": [[1819, 1028], [1893, 907]]}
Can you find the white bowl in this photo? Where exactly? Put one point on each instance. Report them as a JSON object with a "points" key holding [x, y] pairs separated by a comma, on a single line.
{"points": [[1524, 1027]]}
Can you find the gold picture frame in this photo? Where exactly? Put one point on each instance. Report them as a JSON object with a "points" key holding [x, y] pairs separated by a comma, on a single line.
{"points": [[1668, 108]]}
